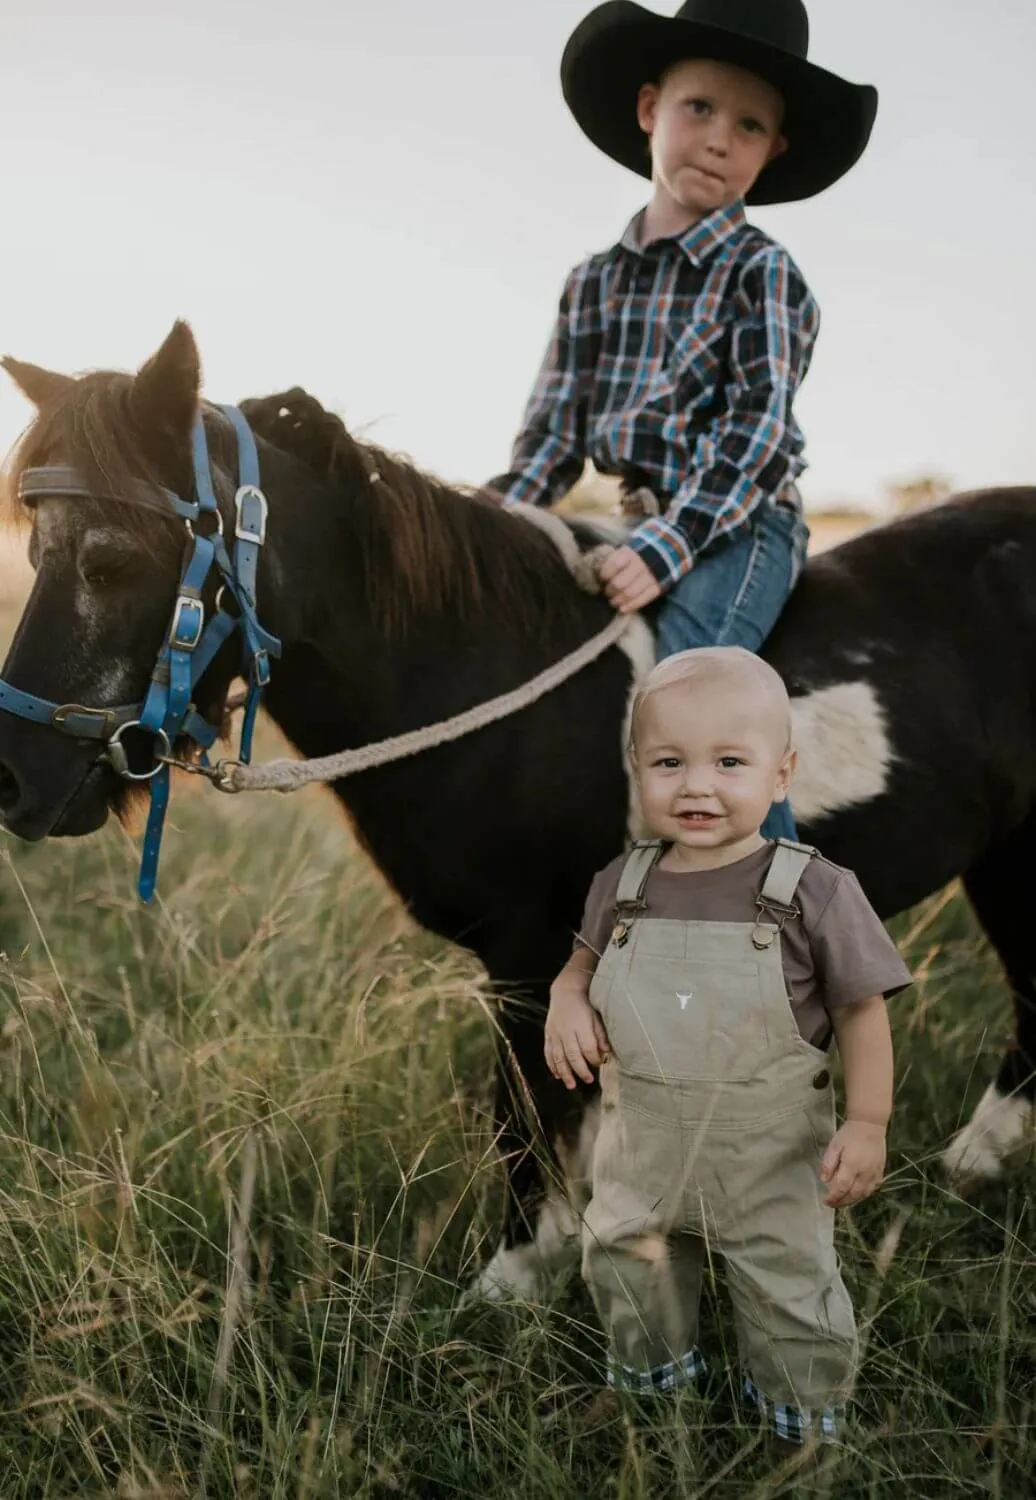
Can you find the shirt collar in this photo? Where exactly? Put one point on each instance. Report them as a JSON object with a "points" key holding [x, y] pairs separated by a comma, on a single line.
{"points": [[700, 241]]}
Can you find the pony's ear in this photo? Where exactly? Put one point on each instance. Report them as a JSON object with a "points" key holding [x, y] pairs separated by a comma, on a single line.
{"points": [[38, 384], [165, 390]]}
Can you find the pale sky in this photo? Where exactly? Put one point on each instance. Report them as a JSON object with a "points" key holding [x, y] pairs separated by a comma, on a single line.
{"points": [[380, 199]]}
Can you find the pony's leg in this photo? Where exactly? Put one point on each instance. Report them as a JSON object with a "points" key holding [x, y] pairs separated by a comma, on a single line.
{"points": [[1000, 889], [545, 1135]]}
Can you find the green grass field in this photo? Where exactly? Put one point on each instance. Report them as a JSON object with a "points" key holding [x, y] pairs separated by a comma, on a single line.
{"points": [[246, 1170]]}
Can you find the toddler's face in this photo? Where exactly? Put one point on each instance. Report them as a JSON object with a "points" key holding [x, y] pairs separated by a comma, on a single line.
{"points": [[713, 129], [710, 758]]}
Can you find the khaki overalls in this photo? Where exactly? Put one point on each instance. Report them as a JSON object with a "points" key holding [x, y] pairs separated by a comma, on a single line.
{"points": [[715, 1114]]}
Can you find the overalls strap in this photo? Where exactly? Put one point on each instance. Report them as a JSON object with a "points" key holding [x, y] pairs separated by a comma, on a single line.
{"points": [[787, 868], [641, 860]]}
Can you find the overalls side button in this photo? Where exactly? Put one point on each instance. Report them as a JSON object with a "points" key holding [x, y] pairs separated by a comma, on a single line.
{"points": [[821, 1079]]}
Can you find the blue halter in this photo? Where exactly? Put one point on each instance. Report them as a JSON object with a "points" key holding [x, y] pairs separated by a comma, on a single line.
{"points": [[167, 712]]}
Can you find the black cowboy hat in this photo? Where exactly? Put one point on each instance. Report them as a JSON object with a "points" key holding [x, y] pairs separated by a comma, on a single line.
{"points": [[620, 46]]}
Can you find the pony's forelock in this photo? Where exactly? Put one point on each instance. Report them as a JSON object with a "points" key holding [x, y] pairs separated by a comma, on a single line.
{"points": [[91, 427]]}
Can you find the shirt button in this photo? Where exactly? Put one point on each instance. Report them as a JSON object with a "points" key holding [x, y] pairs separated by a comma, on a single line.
{"points": [[821, 1079]]}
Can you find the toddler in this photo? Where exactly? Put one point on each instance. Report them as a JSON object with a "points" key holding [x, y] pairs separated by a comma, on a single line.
{"points": [[711, 972]]}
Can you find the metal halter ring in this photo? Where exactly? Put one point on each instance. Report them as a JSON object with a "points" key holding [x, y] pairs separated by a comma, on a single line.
{"points": [[119, 761], [217, 530]]}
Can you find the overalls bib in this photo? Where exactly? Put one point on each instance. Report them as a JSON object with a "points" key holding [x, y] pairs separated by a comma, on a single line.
{"points": [[715, 1115]]}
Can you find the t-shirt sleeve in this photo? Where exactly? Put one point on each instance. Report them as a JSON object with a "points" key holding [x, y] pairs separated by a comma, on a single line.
{"points": [[853, 955], [599, 912]]}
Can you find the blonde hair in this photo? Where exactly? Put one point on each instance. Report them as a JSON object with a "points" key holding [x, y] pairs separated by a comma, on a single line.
{"points": [[711, 664]]}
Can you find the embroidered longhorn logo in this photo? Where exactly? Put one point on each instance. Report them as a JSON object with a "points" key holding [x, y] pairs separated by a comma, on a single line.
{"points": [[683, 999]]}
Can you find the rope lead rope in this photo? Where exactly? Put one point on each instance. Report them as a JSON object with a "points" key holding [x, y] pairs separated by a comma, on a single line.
{"points": [[289, 775]]}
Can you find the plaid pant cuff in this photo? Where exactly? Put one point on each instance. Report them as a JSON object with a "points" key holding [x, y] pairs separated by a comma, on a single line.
{"points": [[796, 1424], [689, 1368]]}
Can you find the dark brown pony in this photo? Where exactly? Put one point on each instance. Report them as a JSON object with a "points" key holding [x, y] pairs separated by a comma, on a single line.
{"points": [[910, 654]]}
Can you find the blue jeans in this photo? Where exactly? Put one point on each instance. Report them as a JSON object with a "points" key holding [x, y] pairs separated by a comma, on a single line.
{"points": [[732, 597]]}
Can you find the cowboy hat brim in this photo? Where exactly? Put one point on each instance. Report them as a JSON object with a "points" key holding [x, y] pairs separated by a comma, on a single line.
{"points": [[620, 46]]}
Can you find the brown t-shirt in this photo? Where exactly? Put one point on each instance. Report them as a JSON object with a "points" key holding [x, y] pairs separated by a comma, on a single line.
{"points": [[836, 953]]}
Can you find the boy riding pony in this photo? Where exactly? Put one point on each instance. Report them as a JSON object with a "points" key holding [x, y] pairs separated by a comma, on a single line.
{"points": [[677, 353]]}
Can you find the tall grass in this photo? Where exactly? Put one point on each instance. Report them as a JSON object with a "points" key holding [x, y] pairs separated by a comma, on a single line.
{"points": [[247, 1168]]}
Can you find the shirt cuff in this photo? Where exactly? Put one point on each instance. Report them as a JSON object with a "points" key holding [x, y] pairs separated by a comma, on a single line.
{"points": [[516, 489], [664, 548], [887, 980]]}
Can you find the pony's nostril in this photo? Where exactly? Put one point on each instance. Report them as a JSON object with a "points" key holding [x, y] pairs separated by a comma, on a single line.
{"points": [[10, 791]]}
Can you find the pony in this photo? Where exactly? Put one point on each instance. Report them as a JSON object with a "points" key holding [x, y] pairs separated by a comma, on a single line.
{"points": [[909, 653]]}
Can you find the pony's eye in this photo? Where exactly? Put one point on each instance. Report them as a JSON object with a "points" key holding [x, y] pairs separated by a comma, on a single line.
{"points": [[103, 570]]}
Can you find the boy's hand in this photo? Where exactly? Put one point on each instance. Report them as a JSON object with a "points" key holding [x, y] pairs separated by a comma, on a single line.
{"points": [[574, 1040], [853, 1163], [628, 581]]}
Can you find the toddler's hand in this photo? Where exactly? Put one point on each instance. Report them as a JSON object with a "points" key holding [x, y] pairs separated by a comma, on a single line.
{"points": [[628, 581], [574, 1040], [853, 1163]]}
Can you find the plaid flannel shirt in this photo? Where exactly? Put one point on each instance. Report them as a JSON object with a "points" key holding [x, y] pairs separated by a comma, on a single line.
{"points": [[674, 364]]}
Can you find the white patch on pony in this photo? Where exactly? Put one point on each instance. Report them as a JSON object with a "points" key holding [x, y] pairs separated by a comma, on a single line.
{"points": [[526, 1271], [1000, 1125], [843, 746], [53, 519], [511, 1274], [111, 685], [54, 527], [88, 606], [57, 528]]}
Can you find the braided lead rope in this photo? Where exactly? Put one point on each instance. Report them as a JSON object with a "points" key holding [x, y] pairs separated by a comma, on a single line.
{"points": [[289, 775]]}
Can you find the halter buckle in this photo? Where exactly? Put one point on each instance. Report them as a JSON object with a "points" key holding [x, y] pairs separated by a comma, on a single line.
{"points": [[261, 668], [65, 711], [119, 760], [188, 623], [252, 511]]}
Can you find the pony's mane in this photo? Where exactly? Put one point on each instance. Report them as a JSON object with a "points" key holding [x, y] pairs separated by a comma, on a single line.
{"points": [[427, 546]]}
